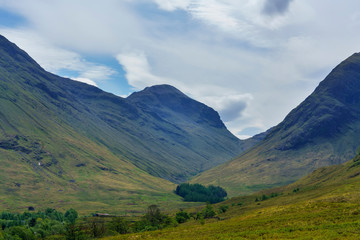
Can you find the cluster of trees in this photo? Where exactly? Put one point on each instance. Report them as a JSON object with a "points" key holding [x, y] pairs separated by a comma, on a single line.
{"points": [[266, 197], [51, 224], [199, 193], [35, 225]]}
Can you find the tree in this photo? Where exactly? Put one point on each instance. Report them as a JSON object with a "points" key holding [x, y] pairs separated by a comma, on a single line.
{"points": [[20, 232], [32, 222], [120, 225], [153, 215], [74, 232], [71, 215], [208, 211], [200, 193], [153, 220], [96, 227], [182, 216]]}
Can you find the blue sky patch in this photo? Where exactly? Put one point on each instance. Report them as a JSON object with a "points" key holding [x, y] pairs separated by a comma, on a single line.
{"points": [[9, 19]]}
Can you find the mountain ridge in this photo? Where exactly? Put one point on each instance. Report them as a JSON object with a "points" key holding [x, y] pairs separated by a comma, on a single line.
{"points": [[323, 130], [136, 120], [80, 144]]}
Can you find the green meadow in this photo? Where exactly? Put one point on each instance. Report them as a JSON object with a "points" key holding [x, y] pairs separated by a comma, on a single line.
{"points": [[323, 205]]}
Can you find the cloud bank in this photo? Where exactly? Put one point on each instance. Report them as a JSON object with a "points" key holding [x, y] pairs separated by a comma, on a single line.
{"points": [[252, 60]]}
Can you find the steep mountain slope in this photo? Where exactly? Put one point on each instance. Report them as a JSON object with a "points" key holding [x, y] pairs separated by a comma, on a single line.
{"points": [[47, 158], [323, 130], [195, 126], [76, 142]]}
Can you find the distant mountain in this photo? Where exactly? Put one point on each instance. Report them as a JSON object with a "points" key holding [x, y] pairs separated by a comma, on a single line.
{"points": [[323, 130], [70, 139]]}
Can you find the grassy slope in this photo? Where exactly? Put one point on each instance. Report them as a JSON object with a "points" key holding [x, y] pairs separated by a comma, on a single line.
{"points": [[171, 143], [264, 167], [67, 144], [74, 171], [326, 206], [52, 147], [321, 131]]}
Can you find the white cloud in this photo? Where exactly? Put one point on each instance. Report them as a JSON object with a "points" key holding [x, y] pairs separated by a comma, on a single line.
{"points": [[96, 72], [230, 107], [138, 72], [85, 80], [215, 13], [171, 5], [250, 66], [56, 59], [242, 19], [49, 57]]}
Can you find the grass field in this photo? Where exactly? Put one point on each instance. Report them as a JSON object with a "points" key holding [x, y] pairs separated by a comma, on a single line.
{"points": [[323, 205]]}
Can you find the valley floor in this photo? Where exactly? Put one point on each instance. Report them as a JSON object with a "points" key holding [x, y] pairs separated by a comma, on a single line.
{"points": [[309, 220], [323, 205]]}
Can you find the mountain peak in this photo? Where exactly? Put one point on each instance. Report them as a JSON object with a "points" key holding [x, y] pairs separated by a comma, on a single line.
{"points": [[163, 89], [155, 93], [323, 130], [56, 133], [13, 55], [343, 83], [167, 101]]}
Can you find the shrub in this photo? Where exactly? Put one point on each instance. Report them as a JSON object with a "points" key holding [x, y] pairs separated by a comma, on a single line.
{"points": [[19, 232], [182, 216], [71, 215], [120, 225], [208, 211], [153, 220], [223, 208]]}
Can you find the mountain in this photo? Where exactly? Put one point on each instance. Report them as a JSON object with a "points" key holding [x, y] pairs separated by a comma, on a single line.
{"points": [[323, 130], [76, 143]]}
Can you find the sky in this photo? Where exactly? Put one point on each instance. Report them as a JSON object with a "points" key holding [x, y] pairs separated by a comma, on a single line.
{"points": [[251, 60]]}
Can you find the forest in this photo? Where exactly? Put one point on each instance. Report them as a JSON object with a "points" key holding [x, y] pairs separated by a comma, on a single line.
{"points": [[199, 193], [53, 224]]}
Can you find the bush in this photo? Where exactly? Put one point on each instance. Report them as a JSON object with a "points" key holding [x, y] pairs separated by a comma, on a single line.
{"points": [[71, 215], [19, 232], [266, 197], [153, 220], [96, 227], [208, 211], [182, 216], [74, 232], [223, 208], [120, 225]]}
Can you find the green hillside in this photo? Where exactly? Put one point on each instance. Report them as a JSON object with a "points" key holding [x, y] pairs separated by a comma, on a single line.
{"points": [[323, 205], [323, 130], [66, 143], [172, 142]]}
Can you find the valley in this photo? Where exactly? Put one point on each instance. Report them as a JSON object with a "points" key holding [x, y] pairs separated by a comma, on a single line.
{"points": [[66, 144], [323, 205], [93, 150]]}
